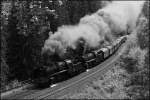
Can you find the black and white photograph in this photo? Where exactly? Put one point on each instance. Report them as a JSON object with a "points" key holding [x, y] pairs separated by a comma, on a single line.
{"points": [[75, 49]]}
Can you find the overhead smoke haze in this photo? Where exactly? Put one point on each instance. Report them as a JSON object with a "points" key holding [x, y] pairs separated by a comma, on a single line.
{"points": [[102, 26], [122, 15]]}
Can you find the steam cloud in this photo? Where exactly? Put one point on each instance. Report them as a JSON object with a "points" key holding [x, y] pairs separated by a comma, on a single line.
{"points": [[102, 26]]}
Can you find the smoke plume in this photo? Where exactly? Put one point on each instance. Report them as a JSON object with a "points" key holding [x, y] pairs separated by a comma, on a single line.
{"points": [[102, 26]]}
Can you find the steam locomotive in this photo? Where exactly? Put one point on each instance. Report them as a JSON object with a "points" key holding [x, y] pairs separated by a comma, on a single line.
{"points": [[68, 68]]}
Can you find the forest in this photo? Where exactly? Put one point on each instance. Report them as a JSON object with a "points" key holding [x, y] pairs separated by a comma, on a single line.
{"points": [[26, 24]]}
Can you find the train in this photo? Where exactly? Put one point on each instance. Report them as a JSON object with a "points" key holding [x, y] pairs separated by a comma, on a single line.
{"points": [[71, 67]]}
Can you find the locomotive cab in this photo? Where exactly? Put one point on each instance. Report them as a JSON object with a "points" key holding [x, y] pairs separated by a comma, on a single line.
{"points": [[69, 66], [89, 59], [99, 55], [75, 67]]}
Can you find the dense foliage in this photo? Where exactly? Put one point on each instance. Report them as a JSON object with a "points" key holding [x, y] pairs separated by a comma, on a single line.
{"points": [[136, 60]]}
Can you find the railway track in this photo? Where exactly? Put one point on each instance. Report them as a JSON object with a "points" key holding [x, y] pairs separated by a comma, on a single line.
{"points": [[62, 88]]}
